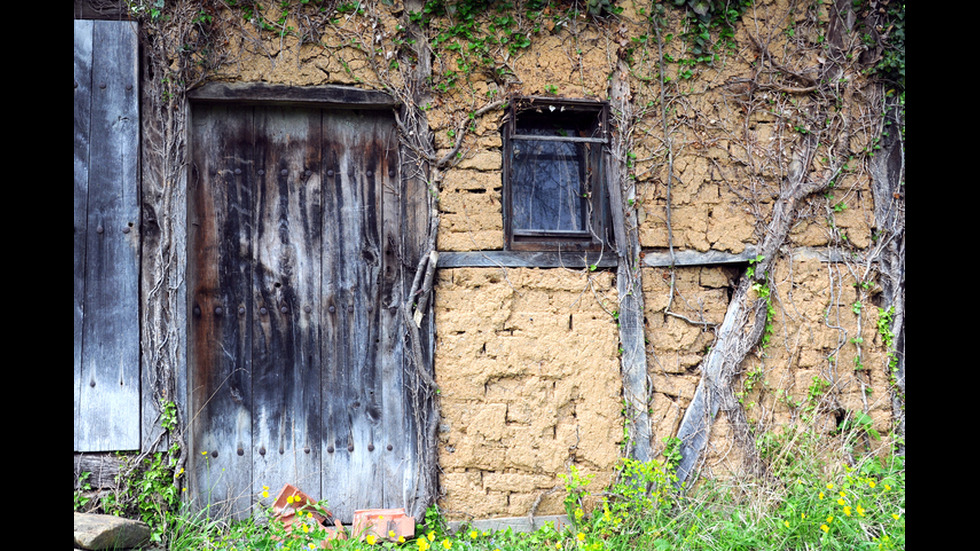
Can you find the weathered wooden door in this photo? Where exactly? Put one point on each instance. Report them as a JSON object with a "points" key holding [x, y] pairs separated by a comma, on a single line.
{"points": [[295, 354]]}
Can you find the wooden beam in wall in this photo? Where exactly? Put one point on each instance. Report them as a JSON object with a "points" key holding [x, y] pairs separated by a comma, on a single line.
{"points": [[577, 260], [339, 97], [526, 259]]}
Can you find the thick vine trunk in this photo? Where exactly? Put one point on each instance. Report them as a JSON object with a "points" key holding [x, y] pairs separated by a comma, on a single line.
{"points": [[163, 230], [888, 187], [418, 167]]}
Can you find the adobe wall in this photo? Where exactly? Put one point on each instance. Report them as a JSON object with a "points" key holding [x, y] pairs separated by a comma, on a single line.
{"points": [[527, 362], [527, 359]]}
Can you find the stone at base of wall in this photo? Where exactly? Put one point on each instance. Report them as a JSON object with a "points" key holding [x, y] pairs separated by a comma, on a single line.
{"points": [[98, 532], [516, 524]]}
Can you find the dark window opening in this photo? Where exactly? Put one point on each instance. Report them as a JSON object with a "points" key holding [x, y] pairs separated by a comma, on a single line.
{"points": [[554, 193]]}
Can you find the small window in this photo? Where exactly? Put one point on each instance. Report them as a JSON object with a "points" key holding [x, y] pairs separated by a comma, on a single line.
{"points": [[554, 196]]}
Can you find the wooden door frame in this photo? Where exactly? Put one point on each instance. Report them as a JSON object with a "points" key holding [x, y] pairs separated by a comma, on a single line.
{"points": [[413, 206]]}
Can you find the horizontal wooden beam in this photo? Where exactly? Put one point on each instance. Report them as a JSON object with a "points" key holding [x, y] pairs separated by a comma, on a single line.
{"points": [[341, 97], [102, 9], [651, 259], [526, 259], [567, 139], [99, 469], [658, 259]]}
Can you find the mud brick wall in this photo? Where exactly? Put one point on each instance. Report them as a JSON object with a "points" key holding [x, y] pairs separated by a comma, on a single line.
{"points": [[820, 340], [470, 201], [527, 363], [676, 345]]}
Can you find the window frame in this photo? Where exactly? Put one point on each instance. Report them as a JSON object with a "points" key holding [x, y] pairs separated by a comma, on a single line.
{"points": [[596, 235]]}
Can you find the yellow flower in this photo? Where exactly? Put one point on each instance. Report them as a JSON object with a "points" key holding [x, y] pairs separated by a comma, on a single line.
{"points": [[265, 493], [289, 499], [401, 539], [474, 534], [860, 510], [391, 534], [423, 544], [371, 538], [830, 485], [830, 519], [871, 483], [825, 528], [306, 528], [447, 543], [847, 510], [431, 535], [887, 487], [580, 536], [896, 516], [786, 523], [840, 501], [558, 545], [820, 496], [579, 513]]}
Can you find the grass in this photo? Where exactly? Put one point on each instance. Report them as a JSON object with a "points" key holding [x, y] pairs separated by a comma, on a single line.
{"points": [[848, 508], [828, 492]]}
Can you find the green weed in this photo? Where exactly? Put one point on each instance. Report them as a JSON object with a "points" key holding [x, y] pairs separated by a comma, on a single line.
{"points": [[81, 500]]}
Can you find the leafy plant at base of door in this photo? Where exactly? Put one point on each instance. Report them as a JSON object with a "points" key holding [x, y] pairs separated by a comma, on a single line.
{"points": [[81, 500], [149, 488]]}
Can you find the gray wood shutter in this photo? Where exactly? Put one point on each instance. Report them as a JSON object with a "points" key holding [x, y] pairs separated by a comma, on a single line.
{"points": [[107, 406]]}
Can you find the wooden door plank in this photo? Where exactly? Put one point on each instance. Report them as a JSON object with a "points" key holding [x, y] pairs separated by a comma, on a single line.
{"points": [[108, 392], [286, 291], [336, 391], [397, 465], [219, 287], [83, 100], [352, 258]]}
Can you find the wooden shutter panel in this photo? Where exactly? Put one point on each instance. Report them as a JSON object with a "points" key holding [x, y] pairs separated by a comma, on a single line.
{"points": [[106, 237]]}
